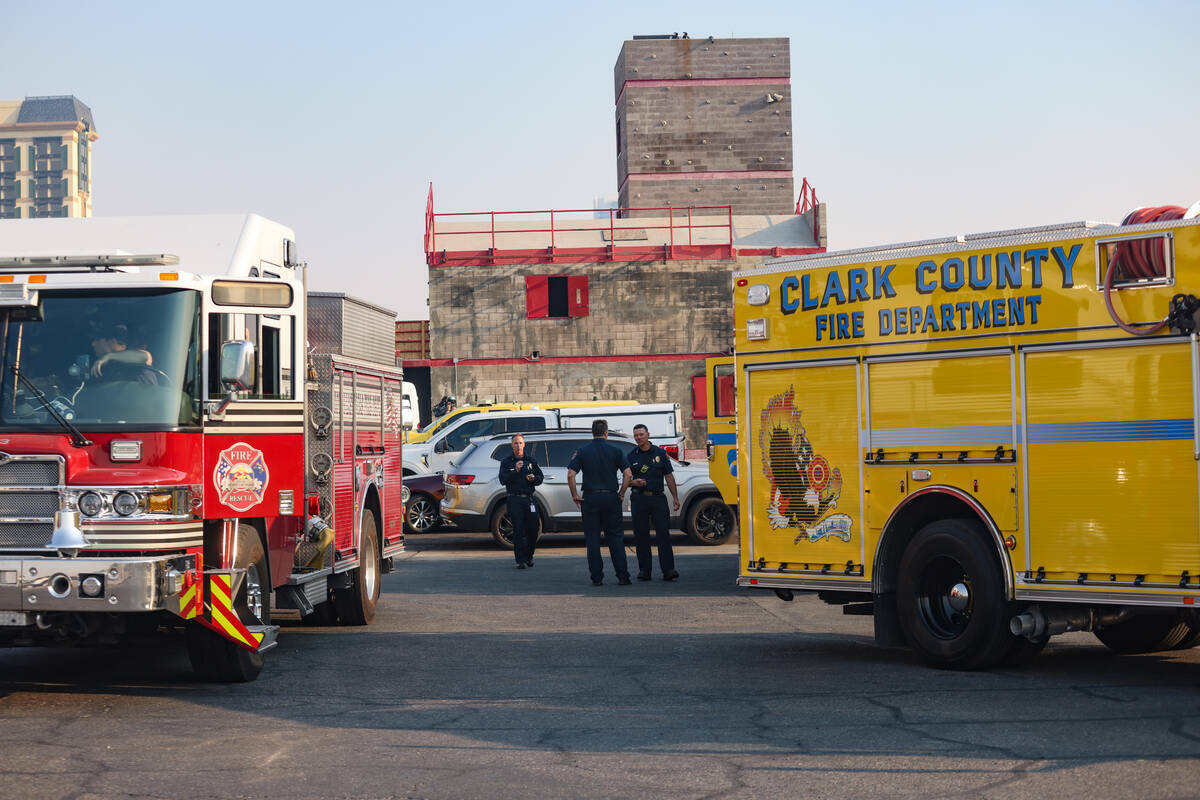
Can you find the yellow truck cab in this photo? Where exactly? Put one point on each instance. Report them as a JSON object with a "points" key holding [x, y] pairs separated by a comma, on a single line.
{"points": [[721, 443], [423, 434], [982, 441]]}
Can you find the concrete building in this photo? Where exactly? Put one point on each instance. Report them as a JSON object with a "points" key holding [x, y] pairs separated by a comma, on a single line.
{"points": [[46, 158], [578, 309], [704, 122], [626, 304]]}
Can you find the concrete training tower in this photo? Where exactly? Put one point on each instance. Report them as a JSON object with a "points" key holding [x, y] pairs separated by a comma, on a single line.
{"points": [[704, 122]]}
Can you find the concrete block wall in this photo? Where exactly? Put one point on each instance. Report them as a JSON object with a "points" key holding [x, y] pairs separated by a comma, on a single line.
{"points": [[727, 109], [701, 128], [635, 309], [668, 59], [745, 195]]}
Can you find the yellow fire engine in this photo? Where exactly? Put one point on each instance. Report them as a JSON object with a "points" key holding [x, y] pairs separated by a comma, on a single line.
{"points": [[982, 441]]}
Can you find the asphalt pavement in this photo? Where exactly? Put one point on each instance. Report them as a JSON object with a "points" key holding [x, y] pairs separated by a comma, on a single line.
{"points": [[478, 680]]}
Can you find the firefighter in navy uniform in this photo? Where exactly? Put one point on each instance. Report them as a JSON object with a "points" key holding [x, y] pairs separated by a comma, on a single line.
{"points": [[520, 473], [649, 469], [600, 505]]}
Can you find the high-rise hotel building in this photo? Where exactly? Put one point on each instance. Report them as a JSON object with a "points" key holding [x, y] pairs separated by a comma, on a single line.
{"points": [[45, 158]]}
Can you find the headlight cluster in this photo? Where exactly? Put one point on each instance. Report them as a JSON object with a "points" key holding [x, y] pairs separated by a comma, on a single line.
{"points": [[118, 503]]}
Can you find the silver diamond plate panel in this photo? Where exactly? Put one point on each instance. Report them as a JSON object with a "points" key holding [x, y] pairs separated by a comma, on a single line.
{"points": [[320, 394], [344, 325]]}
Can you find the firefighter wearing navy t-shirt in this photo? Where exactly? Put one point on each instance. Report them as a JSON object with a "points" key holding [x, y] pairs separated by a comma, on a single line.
{"points": [[649, 470], [600, 503]]}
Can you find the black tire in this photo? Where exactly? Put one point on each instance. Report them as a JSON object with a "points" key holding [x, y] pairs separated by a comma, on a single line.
{"points": [[1192, 638], [710, 521], [421, 515], [356, 603], [215, 658], [943, 555], [1145, 633], [502, 527], [1189, 641]]}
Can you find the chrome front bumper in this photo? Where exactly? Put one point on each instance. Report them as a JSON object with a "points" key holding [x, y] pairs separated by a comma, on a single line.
{"points": [[37, 584]]}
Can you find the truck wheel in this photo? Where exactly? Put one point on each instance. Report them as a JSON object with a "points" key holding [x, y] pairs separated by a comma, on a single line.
{"points": [[215, 658], [356, 603], [1145, 633], [950, 597], [1192, 638], [710, 521], [502, 527], [421, 514]]}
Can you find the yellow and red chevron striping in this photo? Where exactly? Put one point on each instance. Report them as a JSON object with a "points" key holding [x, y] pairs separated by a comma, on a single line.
{"points": [[223, 615]]}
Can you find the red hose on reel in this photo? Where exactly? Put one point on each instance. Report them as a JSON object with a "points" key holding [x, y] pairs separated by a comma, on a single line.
{"points": [[1141, 259]]}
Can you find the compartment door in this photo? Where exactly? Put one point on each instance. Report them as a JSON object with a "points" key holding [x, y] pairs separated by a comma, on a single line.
{"points": [[802, 463], [1111, 464]]}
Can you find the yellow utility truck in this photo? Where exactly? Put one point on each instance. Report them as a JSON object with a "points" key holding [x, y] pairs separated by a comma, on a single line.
{"points": [[983, 440]]}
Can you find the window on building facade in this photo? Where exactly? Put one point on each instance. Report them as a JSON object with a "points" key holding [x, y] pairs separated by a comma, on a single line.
{"points": [[556, 296], [82, 148], [10, 157], [619, 137]]}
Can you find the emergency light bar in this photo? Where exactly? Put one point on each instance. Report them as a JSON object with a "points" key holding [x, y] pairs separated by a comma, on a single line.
{"points": [[107, 261]]}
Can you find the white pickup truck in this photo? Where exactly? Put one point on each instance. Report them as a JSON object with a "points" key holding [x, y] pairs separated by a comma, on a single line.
{"points": [[434, 455]]}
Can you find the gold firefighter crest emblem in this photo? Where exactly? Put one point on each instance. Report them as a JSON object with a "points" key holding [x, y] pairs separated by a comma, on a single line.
{"points": [[804, 488]]}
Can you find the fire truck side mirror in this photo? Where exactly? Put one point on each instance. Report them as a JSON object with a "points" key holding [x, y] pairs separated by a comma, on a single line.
{"points": [[237, 365]]}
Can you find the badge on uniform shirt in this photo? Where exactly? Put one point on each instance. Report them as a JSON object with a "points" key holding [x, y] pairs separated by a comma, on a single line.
{"points": [[657, 459]]}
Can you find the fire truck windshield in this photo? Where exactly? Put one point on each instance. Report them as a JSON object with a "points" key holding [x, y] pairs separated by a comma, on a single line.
{"points": [[104, 360]]}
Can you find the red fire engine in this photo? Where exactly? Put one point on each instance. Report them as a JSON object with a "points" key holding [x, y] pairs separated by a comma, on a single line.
{"points": [[171, 451]]}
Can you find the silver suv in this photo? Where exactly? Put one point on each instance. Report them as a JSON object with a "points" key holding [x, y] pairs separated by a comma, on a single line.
{"points": [[475, 498]]}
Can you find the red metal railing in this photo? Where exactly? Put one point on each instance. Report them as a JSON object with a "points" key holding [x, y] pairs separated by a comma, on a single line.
{"points": [[807, 199], [808, 202], [440, 245], [429, 219]]}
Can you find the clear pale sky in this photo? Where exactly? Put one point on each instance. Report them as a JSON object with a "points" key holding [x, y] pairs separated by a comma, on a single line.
{"points": [[912, 119]]}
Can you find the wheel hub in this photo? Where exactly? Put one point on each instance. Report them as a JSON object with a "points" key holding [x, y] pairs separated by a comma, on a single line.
{"points": [[254, 597], [421, 515], [960, 596], [944, 599]]}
